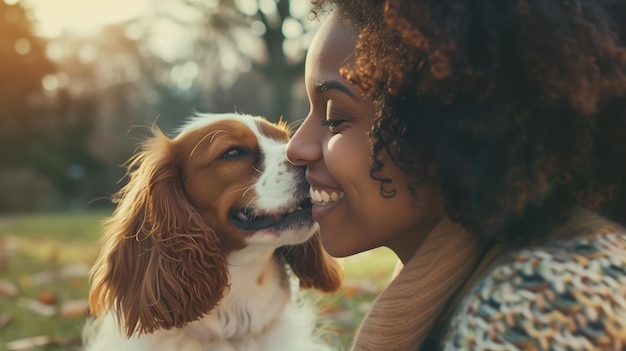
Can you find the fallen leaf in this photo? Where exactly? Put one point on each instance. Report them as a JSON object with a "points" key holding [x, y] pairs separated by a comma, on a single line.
{"points": [[5, 319], [75, 309], [29, 343], [47, 298], [66, 272], [8, 289], [37, 307], [77, 283]]}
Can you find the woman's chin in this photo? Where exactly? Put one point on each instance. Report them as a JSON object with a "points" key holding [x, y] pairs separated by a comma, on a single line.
{"points": [[338, 247]]}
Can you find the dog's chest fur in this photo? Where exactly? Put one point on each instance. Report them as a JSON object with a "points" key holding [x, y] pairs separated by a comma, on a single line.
{"points": [[258, 309]]}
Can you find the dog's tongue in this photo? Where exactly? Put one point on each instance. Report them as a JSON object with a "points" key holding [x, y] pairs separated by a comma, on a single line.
{"points": [[245, 221]]}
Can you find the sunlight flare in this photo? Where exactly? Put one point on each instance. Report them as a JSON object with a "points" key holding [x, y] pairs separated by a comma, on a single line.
{"points": [[83, 17]]}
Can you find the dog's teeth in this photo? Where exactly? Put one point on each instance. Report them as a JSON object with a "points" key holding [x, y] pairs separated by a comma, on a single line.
{"points": [[243, 216]]}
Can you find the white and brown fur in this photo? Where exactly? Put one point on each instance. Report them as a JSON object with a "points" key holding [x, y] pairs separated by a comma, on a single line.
{"points": [[187, 260]]}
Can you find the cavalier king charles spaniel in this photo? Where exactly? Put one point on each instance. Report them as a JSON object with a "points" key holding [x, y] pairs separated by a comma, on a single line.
{"points": [[200, 251]]}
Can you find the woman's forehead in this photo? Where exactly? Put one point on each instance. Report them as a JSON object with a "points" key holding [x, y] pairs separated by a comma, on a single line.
{"points": [[332, 47]]}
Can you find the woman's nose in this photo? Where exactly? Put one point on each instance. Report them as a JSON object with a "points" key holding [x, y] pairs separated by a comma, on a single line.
{"points": [[305, 145]]}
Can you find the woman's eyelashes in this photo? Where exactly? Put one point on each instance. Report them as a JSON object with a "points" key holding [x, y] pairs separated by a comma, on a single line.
{"points": [[333, 125], [333, 119]]}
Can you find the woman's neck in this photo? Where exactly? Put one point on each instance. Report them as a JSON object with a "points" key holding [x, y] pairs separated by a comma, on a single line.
{"points": [[405, 312], [406, 246]]}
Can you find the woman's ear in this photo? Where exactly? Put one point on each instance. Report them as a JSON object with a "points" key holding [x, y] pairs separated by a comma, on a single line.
{"points": [[159, 266], [313, 265]]}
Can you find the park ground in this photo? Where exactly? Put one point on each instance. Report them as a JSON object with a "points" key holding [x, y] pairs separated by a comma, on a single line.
{"points": [[44, 265]]}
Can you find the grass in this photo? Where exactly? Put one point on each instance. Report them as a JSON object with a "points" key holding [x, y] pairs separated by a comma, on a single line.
{"points": [[45, 243], [32, 244]]}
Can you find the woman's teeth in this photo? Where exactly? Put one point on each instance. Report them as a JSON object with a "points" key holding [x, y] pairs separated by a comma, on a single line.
{"points": [[322, 198]]}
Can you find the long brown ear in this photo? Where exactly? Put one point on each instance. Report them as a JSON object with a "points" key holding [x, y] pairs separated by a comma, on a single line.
{"points": [[313, 265], [159, 266]]}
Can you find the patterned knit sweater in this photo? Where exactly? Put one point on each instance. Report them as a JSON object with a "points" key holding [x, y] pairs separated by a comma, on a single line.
{"points": [[568, 293]]}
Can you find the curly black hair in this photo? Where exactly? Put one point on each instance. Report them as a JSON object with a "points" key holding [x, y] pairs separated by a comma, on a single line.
{"points": [[520, 105]]}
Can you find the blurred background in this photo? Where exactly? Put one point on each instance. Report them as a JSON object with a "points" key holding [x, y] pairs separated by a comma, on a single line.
{"points": [[79, 82], [77, 75]]}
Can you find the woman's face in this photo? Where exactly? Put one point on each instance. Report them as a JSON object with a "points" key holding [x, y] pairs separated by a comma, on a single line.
{"points": [[333, 143]]}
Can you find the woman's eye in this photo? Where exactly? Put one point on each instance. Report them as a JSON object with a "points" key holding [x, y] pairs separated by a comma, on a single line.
{"points": [[332, 124], [331, 121]]}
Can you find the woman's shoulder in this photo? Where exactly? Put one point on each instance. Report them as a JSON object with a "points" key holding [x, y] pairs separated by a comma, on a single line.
{"points": [[569, 291]]}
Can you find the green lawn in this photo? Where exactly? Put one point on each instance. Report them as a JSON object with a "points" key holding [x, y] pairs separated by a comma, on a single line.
{"points": [[51, 243]]}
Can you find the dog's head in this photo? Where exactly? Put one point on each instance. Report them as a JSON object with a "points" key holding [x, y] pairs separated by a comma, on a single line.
{"points": [[222, 184]]}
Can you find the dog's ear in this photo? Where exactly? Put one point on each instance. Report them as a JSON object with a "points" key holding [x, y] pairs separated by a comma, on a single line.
{"points": [[159, 265], [313, 265]]}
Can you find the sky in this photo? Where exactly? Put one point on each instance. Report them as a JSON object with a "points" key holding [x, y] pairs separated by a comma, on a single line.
{"points": [[81, 17]]}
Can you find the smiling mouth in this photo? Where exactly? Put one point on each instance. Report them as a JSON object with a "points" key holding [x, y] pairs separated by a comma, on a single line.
{"points": [[322, 198], [250, 219]]}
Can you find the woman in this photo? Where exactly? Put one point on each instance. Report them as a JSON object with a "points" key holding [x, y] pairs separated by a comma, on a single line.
{"points": [[482, 142]]}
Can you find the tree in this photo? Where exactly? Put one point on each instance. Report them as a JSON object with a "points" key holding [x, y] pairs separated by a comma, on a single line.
{"points": [[23, 64], [222, 55], [265, 36], [44, 131]]}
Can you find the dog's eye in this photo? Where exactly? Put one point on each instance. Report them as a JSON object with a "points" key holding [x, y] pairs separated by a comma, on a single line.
{"points": [[234, 152]]}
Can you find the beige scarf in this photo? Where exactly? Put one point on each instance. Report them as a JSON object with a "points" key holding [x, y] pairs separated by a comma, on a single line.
{"points": [[403, 314]]}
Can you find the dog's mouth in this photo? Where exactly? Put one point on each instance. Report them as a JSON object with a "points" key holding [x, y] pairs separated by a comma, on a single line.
{"points": [[250, 219]]}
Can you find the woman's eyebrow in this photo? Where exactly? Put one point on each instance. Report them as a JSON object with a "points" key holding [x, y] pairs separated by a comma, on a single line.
{"points": [[327, 85]]}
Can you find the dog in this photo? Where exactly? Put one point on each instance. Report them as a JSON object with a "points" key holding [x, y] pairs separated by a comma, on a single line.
{"points": [[205, 236]]}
